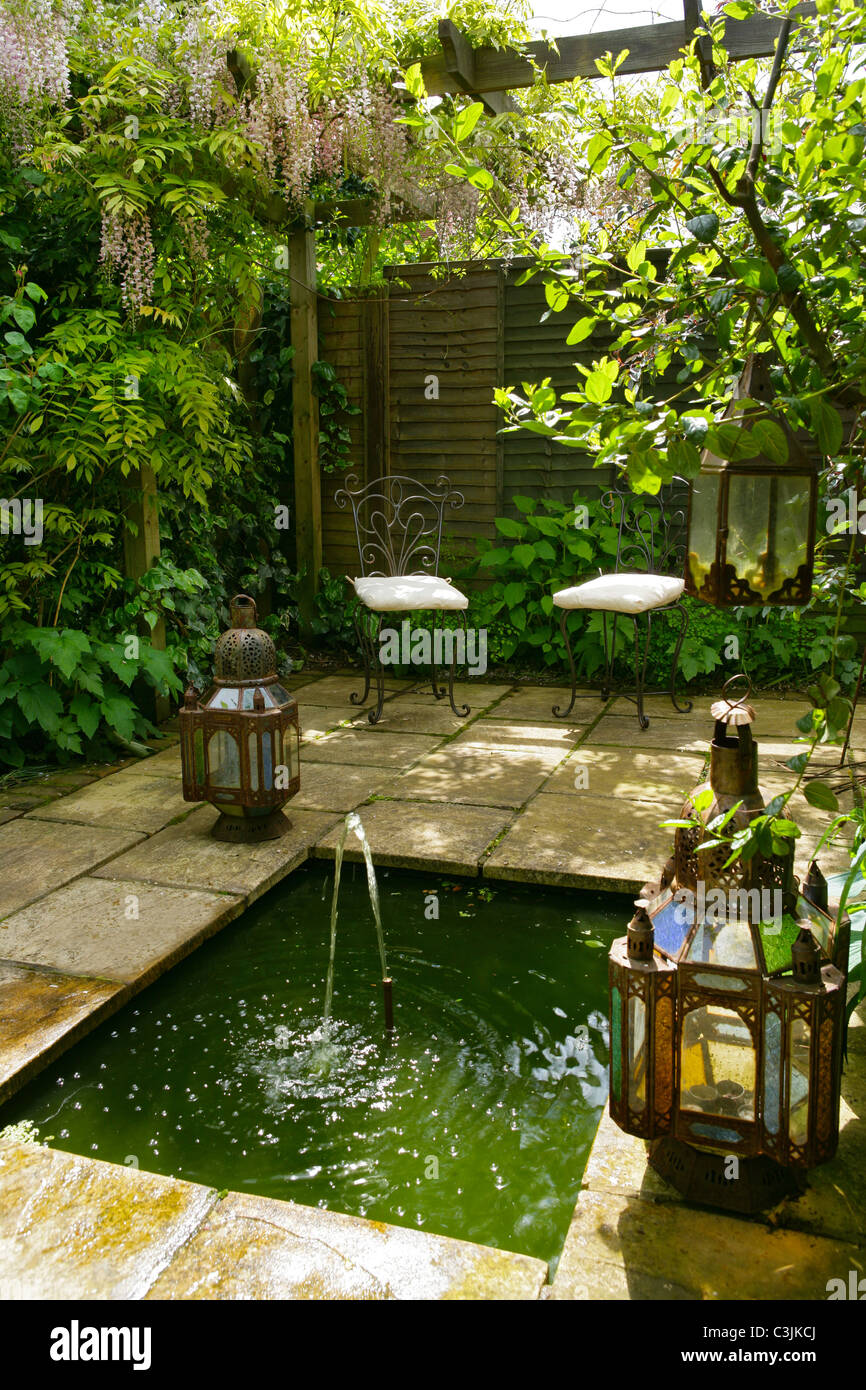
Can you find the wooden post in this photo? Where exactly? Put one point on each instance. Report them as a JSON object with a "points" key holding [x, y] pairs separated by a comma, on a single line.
{"points": [[500, 381], [305, 415], [377, 434], [140, 553]]}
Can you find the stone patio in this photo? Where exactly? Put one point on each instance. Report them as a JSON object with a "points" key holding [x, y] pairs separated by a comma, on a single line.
{"points": [[109, 878]]}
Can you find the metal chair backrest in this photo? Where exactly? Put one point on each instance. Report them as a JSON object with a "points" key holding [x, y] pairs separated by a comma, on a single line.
{"points": [[650, 531], [398, 522]]}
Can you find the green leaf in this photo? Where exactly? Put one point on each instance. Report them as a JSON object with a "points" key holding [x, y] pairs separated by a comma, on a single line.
{"points": [[87, 714], [581, 330], [524, 555], [42, 705], [598, 387], [515, 530], [771, 440], [704, 227], [789, 278], [467, 121], [827, 424], [819, 794], [120, 714]]}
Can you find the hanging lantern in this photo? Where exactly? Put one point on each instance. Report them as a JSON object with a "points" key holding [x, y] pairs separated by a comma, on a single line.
{"points": [[240, 746], [727, 1007], [751, 527]]}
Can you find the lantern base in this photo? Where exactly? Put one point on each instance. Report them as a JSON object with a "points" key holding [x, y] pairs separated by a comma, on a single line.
{"points": [[705, 1177], [251, 829]]}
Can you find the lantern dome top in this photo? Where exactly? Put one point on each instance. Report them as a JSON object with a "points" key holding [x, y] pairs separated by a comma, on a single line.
{"points": [[244, 653]]}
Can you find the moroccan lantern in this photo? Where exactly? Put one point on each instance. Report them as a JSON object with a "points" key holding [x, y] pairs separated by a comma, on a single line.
{"points": [[751, 526], [240, 745], [727, 1010]]}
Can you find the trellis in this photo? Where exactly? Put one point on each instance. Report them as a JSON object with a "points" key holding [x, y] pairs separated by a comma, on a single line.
{"points": [[486, 74]]}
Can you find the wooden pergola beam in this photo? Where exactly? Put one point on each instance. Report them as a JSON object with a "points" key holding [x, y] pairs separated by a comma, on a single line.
{"points": [[650, 48], [459, 57]]}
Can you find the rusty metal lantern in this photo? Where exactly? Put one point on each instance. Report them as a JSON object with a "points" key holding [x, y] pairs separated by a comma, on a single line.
{"points": [[751, 525], [727, 1025], [240, 745]]}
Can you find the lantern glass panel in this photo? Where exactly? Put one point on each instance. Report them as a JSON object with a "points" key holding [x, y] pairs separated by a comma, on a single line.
{"points": [[278, 748], [252, 744], [729, 943], [772, 1071], [768, 520], [267, 762], [799, 1053], [717, 1066], [777, 941], [224, 697], [280, 694], [615, 1042], [672, 924], [637, 1058], [703, 527], [223, 760]]}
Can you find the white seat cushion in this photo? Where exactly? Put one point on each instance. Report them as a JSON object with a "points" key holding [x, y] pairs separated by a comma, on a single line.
{"points": [[404, 593], [622, 593]]}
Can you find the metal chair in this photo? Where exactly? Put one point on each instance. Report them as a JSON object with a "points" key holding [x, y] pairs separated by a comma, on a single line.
{"points": [[398, 527], [651, 536]]}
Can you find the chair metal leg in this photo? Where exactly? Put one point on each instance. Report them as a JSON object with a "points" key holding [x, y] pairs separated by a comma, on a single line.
{"points": [[373, 634], [609, 655], [463, 710], [640, 667], [564, 713], [358, 616], [439, 691], [684, 623]]}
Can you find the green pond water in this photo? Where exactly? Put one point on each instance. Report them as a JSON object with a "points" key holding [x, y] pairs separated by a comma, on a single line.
{"points": [[474, 1120]]}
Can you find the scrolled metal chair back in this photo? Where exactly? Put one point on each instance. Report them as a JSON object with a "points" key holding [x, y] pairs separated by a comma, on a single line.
{"points": [[398, 522], [651, 531]]}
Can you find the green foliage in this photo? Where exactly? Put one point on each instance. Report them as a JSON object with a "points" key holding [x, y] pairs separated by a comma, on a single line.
{"points": [[68, 687], [546, 551]]}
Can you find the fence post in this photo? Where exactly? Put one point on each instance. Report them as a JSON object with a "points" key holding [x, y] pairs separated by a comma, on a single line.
{"points": [[140, 553], [377, 438], [305, 414]]}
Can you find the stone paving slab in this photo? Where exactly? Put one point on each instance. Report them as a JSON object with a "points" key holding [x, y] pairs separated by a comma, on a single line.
{"points": [[316, 720], [85, 928], [584, 844], [38, 856], [353, 746], [462, 773], [339, 786], [520, 735], [683, 734], [411, 835], [478, 694], [258, 1248], [335, 690], [535, 703], [41, 1014], [186, 856], [400, 716], [128, 801], [163, 764], [76, 1228], [624, 1247], [629, 776]]}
